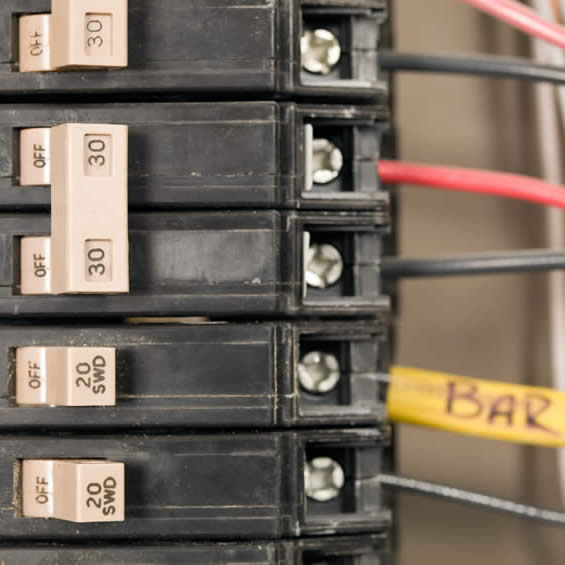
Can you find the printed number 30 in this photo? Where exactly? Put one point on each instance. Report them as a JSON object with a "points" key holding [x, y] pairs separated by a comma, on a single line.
{"points": [[96, 146], [94, 26], [96, 256]]}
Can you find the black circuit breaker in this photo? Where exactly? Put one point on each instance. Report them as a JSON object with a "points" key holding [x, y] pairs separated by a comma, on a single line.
{"points": [[208, 155], [213, 264], [210, 375], [339, 550], [232, 48], [193, 330]]}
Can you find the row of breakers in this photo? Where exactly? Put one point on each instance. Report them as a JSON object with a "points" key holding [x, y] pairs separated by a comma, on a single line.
{"points": [[236, 48], [191, 375], [257, 210], [213, 264], [199, 486], [209, 263], [196, 155], [339, 550]]}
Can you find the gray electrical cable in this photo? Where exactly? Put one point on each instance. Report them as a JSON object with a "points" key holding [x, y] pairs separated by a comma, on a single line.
{"points": [[550, 127], [527, 260], [498, 67], [525, 511]]}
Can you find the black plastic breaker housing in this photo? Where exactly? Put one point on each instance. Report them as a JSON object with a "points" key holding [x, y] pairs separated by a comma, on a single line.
{"points": [[207, 375], [339, 550], [204, 155], [234, 48], [216, 264], [214, 486]]}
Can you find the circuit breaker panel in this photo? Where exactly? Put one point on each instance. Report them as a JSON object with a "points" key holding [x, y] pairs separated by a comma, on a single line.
{"points": [[193, 329]]}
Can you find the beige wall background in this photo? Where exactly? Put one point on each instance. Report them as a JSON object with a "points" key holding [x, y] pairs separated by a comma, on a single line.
{"points": [[489, 327]]}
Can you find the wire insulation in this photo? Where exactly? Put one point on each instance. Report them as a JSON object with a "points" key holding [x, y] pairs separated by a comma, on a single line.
{"points": [[472, 180], [522, 17], [527, 260], [499, 67], [489, 409], [452, 494], [550, 149]]}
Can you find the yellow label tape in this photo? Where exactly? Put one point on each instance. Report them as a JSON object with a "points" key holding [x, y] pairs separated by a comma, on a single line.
{"points": [[476, 407]]}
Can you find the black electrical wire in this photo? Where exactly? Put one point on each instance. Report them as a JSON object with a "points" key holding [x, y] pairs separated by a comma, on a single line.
{"points": [[474, 498], [527, 260], [501, 67]]}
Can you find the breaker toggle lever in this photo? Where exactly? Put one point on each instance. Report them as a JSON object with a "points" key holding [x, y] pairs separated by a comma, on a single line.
{"points": [[88, 248], [77, 34]]}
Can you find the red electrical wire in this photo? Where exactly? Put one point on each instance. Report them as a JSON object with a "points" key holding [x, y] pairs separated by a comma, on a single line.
{"points": [[471, 180], [522, 17]]}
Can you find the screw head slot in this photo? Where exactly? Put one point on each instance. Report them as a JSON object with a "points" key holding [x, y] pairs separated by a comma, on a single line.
{"points": [[318, 372], [327, 161], [324, 265], [323, 479], [321, 51]]}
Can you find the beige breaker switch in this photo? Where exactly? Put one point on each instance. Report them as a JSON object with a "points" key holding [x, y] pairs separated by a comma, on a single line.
{"points": [[66, 376], [34, 43], [77, 490], [35, 265], [88, 248], [35, 157], [77, 34]]}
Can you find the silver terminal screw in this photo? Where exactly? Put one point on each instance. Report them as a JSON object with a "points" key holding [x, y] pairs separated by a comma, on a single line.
{"points": [[318, 372], [323, 479], [321, 51], [327, 161], [324, 265]]}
